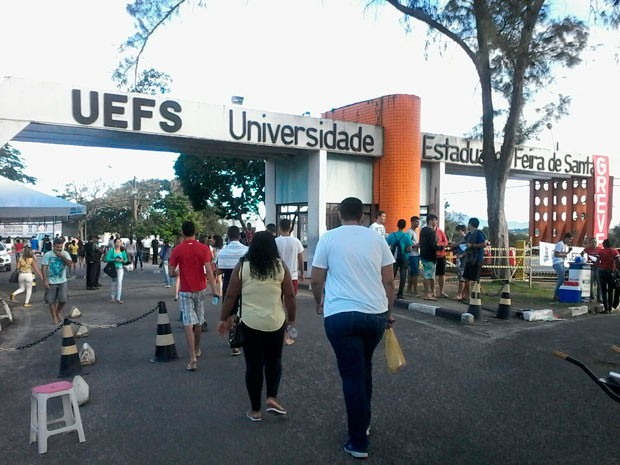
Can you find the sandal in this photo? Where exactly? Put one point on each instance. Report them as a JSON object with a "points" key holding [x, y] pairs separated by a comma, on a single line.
{"points": [[274, 407], [191, 366]]}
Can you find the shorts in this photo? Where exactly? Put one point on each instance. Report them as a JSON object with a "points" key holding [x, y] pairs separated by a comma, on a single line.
{"points": [[192, 306], [428, 268], [74, 258], [56, 293], [414, 265], [471, 272], [440, 269]]}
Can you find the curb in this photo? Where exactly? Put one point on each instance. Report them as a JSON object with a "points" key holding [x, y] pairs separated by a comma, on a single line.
{"points": [[448, 313]]}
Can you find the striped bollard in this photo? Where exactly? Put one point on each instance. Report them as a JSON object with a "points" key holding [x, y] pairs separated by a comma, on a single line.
{"points": [[165, 350], [475, 304], [503, 309], [69, 358]]}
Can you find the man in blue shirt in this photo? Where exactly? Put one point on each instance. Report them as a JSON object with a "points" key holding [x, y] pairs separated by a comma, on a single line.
{"points": [[54, 269], [474, 254], [400, 240]]}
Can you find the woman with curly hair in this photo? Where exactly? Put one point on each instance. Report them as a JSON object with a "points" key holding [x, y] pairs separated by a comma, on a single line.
{"points": [[262, 279]]}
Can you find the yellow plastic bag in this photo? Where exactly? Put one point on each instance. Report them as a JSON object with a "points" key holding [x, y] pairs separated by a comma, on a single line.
{"points": [[393, 352]]}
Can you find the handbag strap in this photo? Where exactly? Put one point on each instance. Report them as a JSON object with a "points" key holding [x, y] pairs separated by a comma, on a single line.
{"points": [[240, 288]]}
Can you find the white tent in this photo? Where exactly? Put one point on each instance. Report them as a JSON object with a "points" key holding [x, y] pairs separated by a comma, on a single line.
{"points": [[20, 202]]}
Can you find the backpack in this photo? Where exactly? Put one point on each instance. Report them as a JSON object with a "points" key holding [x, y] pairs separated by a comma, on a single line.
{"points": [[397, 251]]}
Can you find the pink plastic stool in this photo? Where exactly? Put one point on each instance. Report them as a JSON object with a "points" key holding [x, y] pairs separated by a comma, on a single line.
{"points": [[38, 413]]}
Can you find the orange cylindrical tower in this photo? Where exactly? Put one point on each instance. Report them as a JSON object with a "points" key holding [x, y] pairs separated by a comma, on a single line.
{"points": [[396, 175]]}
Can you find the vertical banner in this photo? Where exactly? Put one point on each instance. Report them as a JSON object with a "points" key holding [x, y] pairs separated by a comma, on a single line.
{"points": [[601, 197]]}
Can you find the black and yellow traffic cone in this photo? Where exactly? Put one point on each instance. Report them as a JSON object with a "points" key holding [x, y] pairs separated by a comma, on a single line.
{"points": [[69, 358], [503, 309], [474, 301], [165, 350]]}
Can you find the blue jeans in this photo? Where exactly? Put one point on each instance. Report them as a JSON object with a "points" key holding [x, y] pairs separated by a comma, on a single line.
{"points": [[166, 269], [561, 271], [354, 337]]}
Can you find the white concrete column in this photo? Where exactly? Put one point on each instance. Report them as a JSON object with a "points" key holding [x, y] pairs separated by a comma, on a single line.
{"points": [[436, 198], [317, 197], [270, 191]]}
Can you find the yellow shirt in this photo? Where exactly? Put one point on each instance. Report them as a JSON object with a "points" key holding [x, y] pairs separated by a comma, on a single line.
{"points": [[262, 307], [73, 249], [25, 265]]}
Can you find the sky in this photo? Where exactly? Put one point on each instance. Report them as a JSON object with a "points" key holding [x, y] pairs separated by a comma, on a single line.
{"points": [[292, 57]]}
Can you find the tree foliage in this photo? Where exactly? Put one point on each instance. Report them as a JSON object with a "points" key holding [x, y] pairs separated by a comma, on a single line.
{"points": [[513, 46], [12, 167], [233, 187], [148, 16]]}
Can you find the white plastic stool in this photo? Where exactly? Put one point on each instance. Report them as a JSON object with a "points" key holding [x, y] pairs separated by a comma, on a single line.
{"points": [[38, 413]]}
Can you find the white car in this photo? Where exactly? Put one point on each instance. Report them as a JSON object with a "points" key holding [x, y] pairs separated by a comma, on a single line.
{"points": [[5, 258]]}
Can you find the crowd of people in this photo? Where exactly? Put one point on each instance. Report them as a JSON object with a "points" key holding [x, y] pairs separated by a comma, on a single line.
{"points": [[424, 252]]}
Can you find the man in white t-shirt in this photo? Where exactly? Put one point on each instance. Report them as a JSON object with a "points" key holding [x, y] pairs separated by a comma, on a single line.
{"points": [[353, 265], [560, 252], [226, 261], [291, 252], [379, 224]]}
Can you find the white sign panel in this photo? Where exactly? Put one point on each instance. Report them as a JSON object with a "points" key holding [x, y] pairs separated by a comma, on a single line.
{"points": [[546, 254], [467, 152], [22, 100]]}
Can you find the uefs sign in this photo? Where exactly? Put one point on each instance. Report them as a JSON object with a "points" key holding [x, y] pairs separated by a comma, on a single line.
{"points": [[449, 149], [138, 113]]}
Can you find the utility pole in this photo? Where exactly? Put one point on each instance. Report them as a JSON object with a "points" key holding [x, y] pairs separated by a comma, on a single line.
{"points": [[134, 205]]}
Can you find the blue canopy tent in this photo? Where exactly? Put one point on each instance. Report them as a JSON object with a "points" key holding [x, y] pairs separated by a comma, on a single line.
{"points": [[20, 203]]}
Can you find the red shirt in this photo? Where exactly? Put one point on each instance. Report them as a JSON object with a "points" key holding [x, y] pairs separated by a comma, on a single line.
{"points": [[442, 239], [607, 259], [191, 257], [19, 247]]}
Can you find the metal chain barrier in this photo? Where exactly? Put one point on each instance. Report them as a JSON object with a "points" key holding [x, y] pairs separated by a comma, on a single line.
{"points": [[26, 346], [113, 325]]}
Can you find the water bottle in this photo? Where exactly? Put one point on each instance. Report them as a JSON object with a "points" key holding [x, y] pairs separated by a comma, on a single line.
{"points": [[292, 331], [215, 299]]}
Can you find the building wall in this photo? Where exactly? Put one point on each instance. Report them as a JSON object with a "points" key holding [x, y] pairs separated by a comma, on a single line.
{"points": [[396, 175]]}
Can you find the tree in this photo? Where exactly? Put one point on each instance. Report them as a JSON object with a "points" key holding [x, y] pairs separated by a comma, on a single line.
{"points": [[233, 187], [513, 46], [12, 167]]}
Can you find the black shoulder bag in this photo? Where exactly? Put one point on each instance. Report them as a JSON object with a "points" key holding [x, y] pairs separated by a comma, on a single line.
{"points": [[235, 334]]}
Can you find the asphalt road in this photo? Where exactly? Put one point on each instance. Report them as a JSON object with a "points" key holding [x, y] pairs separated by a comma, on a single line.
{"points": [[491, 393]]}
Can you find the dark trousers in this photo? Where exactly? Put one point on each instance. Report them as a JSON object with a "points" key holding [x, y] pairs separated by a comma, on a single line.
{"points": [[226, 274], [263, 353], [155, 255], [608, 290], [91, 273], [403, 268], [354, 337]]}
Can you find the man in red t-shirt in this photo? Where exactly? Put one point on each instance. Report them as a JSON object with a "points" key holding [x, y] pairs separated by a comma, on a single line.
{"points": [[194, 262], [440, 270], [609, 262]]}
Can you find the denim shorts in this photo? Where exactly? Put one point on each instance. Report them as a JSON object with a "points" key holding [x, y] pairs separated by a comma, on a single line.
{"points": [[428, 267], [414, 265], [56, 293]]}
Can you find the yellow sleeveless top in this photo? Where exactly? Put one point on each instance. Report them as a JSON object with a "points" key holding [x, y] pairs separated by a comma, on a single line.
{"points": [[262, 307]]}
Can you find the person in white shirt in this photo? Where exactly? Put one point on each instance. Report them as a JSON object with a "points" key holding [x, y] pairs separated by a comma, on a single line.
{"points": [[226, 261], [414, 257], [379, 224], [291, 252], [560, 252], [354, 267]]}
